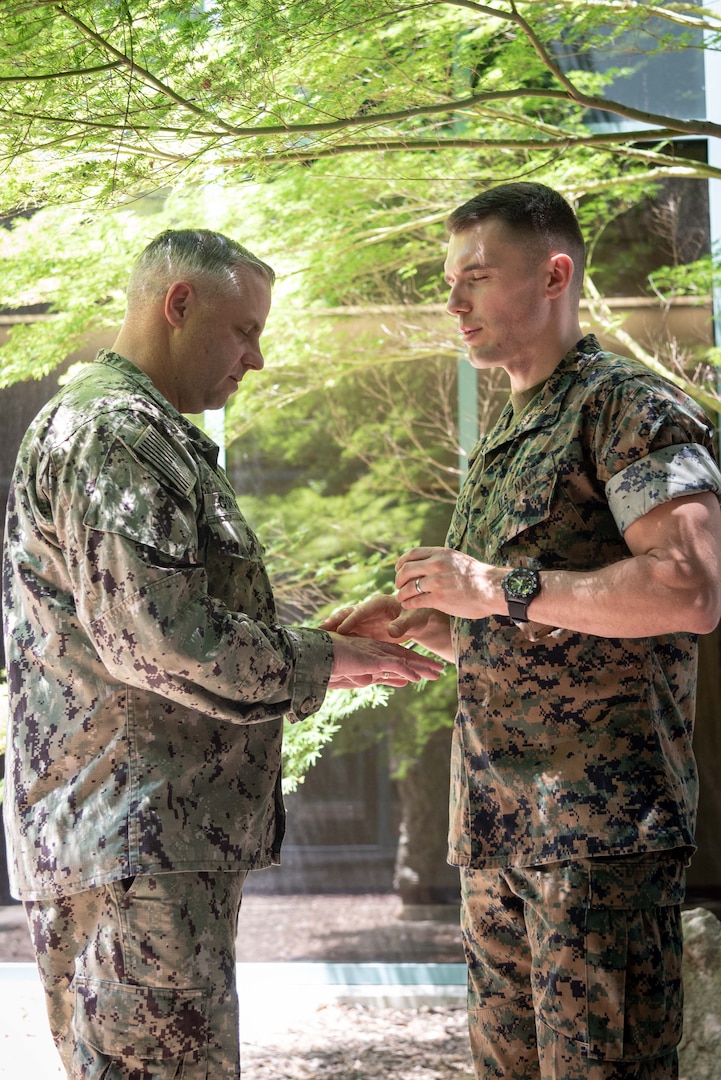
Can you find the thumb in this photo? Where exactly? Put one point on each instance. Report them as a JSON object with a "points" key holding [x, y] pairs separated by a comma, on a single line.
{"points": [[403, 627]]}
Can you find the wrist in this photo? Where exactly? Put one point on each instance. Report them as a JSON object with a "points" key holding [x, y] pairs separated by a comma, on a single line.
{"points": [[520, 585]]}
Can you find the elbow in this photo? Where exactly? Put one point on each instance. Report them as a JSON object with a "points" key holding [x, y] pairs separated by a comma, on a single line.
{"points": [[691, 591], [703, 611], [709, 618]]}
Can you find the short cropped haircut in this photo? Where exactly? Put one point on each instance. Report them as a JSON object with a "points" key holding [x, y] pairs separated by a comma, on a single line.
{"points": [[192, 253], [532, 211]]}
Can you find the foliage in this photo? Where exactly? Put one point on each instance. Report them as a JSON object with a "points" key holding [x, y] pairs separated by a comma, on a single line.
{"points": [[415, 713], [104, 100], [336, 135], [304, 743]]}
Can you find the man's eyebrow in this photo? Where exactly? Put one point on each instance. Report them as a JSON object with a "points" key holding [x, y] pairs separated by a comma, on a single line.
{"points": [[469, 268]]}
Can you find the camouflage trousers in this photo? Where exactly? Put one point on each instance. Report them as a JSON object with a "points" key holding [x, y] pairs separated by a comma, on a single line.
{"points": [[574, 968], [139, 977]]}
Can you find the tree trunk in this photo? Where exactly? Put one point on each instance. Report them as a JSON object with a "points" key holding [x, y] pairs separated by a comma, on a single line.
{"points": [[422, 875]]}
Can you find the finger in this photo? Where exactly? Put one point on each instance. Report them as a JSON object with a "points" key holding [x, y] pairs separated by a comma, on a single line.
{"points": [[417, 570], [424, 667], [369, 617], [351, 624], [415, 594], [430, 668], [336, 619], [396, 681], [413, 556]]}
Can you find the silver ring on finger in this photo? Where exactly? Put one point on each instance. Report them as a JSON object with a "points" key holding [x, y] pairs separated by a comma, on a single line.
{"points": [[417, 584]]}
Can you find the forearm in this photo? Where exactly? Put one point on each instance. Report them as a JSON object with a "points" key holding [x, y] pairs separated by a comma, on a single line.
{"points": [[631, 599], [637, 597], [670, 583], [189, 648]]}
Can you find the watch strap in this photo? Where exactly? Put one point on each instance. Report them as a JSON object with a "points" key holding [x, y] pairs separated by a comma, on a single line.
{"points": [[518, 609]]}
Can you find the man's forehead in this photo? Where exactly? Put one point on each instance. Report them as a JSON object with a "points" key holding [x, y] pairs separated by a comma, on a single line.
{"points": [[468, 249], [251, 287], [482, 245]]}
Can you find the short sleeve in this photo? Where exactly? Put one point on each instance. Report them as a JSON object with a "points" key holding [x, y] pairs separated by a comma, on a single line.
{"points": [[652, 443], [665, 474]]}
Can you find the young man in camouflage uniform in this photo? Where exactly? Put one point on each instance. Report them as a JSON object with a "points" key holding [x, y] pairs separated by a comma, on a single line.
{"points": [[148, 679], [583, 558]]}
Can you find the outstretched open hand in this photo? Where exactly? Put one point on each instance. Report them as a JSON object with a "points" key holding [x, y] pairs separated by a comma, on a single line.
{"points": [[361, 661], [381, 618]]}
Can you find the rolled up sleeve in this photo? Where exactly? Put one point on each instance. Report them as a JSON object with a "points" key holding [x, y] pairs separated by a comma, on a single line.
{"points": [[665, 474]]}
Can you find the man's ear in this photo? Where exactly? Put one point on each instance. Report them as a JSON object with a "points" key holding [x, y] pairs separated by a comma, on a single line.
{"points": [[177, 302], [560, 274]]}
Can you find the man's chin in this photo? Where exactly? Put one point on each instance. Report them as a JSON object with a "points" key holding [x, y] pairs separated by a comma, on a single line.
{"points": [[480, 359], [216, 404]]}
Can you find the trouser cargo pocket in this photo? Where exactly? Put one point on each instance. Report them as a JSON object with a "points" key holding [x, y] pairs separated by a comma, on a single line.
{"points": [[139, 1025], [607, 946]]}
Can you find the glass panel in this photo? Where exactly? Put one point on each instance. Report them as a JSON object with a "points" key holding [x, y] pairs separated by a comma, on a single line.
{"points": [[665, 82]]}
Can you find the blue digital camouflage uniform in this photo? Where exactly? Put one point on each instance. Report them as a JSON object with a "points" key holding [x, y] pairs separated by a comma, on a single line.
{"points": [[147, 675], [568, 746]]}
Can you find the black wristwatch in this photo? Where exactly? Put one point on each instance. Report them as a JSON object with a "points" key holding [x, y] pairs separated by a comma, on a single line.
{"points": [[519, 587]]}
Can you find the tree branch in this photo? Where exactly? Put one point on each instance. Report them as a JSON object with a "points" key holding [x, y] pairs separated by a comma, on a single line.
{"points": [[145, 75], [601, 313], [569, 92], [71, 74], [590, 101], [437, 145]]}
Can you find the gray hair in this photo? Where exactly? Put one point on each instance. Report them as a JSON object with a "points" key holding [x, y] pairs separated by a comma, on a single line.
{"points": [[191, 253]]}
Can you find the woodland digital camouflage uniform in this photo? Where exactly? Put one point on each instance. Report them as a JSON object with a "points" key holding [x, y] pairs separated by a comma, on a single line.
{"points": [[574, 745], [573, 782], [132, 751], [596, 991]]}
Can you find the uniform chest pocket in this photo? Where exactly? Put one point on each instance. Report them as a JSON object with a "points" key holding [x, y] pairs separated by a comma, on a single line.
{"points": [[233, 559], [230, 533], [494, 517], [456, 530], [522, 506], [133, 503]]}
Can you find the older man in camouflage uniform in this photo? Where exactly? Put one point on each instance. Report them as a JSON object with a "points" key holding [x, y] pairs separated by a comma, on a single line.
{"points": [[583, 558], [148, 679]]}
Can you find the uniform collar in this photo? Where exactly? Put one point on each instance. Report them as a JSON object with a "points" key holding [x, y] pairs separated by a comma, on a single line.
{"points": [[200, 440], [544, 409]]}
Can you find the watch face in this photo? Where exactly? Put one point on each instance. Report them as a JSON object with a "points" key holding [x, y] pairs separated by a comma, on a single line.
{"points": [[521, 583]]}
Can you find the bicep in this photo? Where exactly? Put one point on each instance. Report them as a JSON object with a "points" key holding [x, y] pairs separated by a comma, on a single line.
{"points": [[690, 524], [681, 539]]}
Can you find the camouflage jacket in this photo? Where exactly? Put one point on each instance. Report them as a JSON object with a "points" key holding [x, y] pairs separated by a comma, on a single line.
{"points": [[573, 745], [147, 676]]}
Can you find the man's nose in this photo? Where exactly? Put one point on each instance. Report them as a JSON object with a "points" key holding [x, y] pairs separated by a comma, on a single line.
{"points": [[254, 359], [456, 302]]}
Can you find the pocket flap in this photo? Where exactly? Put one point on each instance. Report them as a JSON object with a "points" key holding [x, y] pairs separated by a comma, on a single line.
{"points": [[140, 1022]]}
